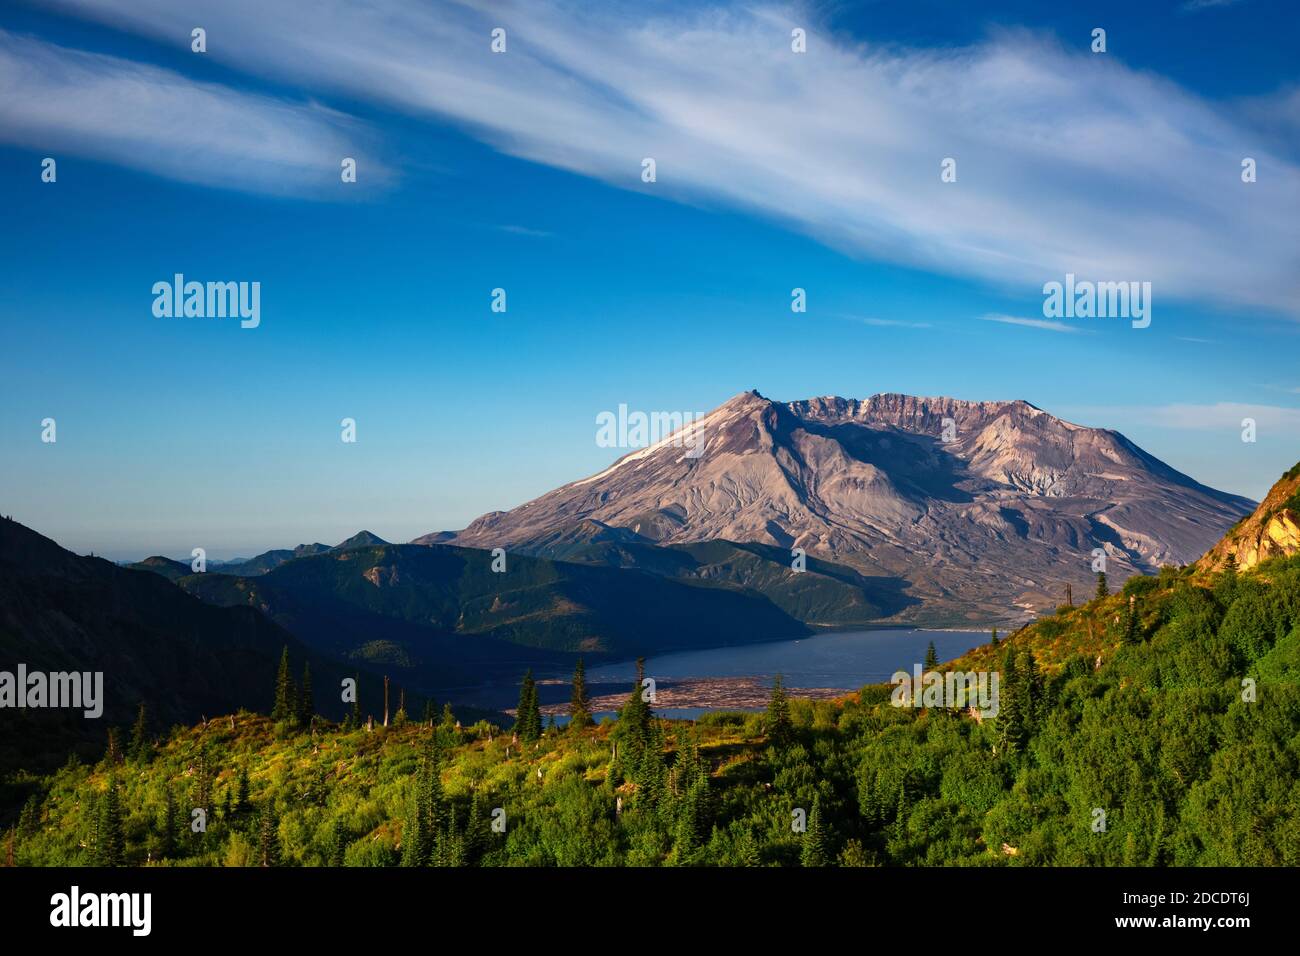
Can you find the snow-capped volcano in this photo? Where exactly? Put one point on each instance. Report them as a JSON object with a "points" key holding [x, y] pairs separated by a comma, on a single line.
{"points": [[979, 507]]}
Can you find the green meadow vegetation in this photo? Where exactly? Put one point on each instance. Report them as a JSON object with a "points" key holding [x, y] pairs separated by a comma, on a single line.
{"points": [[1172, 707]]}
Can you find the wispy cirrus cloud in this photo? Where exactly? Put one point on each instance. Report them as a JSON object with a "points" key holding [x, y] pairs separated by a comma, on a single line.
{"points": [[895, 323], [526, 231], [885, 323], [64, 101], [1048, 325], [1067, 161]]}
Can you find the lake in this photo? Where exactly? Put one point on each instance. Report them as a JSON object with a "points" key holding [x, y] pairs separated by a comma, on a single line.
{"points": [[689, 683]]}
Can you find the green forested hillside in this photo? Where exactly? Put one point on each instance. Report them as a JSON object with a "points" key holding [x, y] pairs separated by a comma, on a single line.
{"points": [[151, 641], [1184, 739], [444, 618], [826, 593]]}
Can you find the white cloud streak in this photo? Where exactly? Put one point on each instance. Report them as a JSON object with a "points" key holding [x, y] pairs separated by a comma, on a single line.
{"points": [[1067, 161], [1045, 324], [61, 101], [895, 323]]}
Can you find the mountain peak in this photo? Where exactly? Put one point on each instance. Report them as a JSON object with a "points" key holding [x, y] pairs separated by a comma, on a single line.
{"points": [[750, 398], [362, 539], [977, 487], [879, 402], [171, 570], [899, 405]]}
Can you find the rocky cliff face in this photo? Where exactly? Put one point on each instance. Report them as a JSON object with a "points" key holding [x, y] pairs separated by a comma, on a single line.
{"points": [[1271, 531], [982, 507]]}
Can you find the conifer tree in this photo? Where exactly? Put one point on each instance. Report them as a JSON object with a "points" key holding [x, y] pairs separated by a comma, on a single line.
{"points": [[453, 852], [141, 747], [902, 809], [686, 769], [478, 827], [285, 706], [528, 719], [691, 782], [1102, 588], [747, 851], [111, 847], [169, 824], [779, 726], [1011, 708], [634, 717], [451, 848], [415, 834], [268, 836], [425, 810], [871, 799], [306, 701], [242, 791], [204, 774], [994, 640], [651, 773], [113, 751], [338, 845], [29, 820], [815, 851], [1132, 623], [687, 835], [449, 715], [579, 703], [633, 729], [643, 692], [931, 659], [1032, 690], [1225, 588]]}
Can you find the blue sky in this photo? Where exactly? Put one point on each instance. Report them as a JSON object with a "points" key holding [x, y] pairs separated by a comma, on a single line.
{"points": [[522, 171]]}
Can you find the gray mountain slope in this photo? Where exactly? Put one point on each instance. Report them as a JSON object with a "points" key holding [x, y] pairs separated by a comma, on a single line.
{"points": [[985, 522]]}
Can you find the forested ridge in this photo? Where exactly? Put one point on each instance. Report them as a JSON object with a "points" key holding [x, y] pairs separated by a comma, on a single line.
{"points": [[1171, 707]]}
